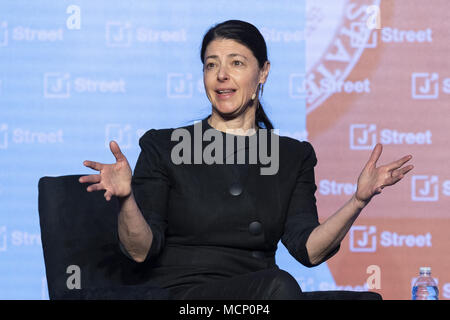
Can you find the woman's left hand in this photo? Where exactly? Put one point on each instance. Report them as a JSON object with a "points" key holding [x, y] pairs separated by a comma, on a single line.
{"points": [[373, 179]]}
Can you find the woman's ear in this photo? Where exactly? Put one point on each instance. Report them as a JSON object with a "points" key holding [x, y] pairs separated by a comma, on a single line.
{"points": [[264, 72]]}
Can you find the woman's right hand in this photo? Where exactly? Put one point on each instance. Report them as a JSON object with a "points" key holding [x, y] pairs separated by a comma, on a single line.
{"points": [[114, 178]]}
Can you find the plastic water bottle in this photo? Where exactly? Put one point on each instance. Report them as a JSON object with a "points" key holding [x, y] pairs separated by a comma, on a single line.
{"points": [[425, 287]]}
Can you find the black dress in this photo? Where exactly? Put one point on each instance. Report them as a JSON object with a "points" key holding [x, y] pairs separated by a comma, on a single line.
{"points": [[216, 226]]}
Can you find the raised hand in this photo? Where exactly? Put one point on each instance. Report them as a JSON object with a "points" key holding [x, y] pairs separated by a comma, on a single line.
{"points": [[114, 178], [373, 179]]}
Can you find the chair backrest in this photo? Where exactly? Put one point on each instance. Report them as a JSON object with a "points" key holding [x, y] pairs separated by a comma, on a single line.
{"points": [[79, 230]]}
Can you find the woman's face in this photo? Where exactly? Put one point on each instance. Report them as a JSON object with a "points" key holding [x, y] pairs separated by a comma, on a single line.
{"points": [[231, 74]]}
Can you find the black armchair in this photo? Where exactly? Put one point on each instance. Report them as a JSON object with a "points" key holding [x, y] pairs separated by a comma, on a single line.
{"points": [[79, 239], [79, 229]]}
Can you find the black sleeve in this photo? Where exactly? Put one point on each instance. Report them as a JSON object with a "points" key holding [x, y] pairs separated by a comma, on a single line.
{"points": [[150, 184], [302, 217]]}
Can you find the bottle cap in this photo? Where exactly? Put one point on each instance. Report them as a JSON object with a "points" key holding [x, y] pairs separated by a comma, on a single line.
{"points": [[425, 269]]}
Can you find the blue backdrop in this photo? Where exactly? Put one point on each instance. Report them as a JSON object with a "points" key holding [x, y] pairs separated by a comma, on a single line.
{"points": [[76, 74]]}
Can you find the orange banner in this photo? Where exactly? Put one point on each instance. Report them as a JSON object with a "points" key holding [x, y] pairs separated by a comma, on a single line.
{"points": [[388, 84]]}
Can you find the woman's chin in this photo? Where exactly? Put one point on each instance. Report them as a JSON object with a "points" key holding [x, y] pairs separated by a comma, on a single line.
{"points": [[226, 109]]}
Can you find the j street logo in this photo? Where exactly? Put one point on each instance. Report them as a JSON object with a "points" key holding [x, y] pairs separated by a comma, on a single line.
{"points": [[365, 239], [298, 86], [118, 34], [124, 134], [182, 85], [365, 137], [27, 34], [122, 34], [18, 238], [285, 36], [344, 29], [61, 85], [56, 85], [387, 35], [426, 85], [331, 187], [18, 135], [428, 188]]}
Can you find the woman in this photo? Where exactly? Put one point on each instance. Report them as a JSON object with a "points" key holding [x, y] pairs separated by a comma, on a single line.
{"points": [[211, 231]]}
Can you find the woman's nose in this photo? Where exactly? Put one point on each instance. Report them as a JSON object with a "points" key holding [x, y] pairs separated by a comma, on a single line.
{"points": [[222, 74]]}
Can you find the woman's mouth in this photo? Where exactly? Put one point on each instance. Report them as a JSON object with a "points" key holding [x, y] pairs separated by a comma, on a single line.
{"points": [[225, 93]]}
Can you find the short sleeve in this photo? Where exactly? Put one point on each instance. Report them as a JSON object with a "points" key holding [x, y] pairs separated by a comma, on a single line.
{"points": [[302, 217], [150, 185]]}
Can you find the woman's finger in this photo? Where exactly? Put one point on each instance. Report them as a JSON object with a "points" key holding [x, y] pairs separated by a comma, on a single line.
{"points": [[95, 187], [400, 162], [93, 165], [406, 169], [93, 178], [375, 155], [115, 149], [397, 175], [107, 195]]}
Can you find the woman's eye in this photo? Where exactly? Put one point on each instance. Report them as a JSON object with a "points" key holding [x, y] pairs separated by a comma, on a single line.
{"points": [[209, 65], [237, 63]]}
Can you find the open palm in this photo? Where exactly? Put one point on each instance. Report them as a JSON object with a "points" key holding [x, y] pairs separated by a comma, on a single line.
{"points": [[373, 179], [114, 178]]}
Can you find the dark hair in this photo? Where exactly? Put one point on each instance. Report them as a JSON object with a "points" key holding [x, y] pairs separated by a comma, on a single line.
{"points": [[248, 35]]}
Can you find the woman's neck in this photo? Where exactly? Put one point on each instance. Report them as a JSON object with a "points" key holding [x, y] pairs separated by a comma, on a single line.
{"points": [[242, 125]]}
